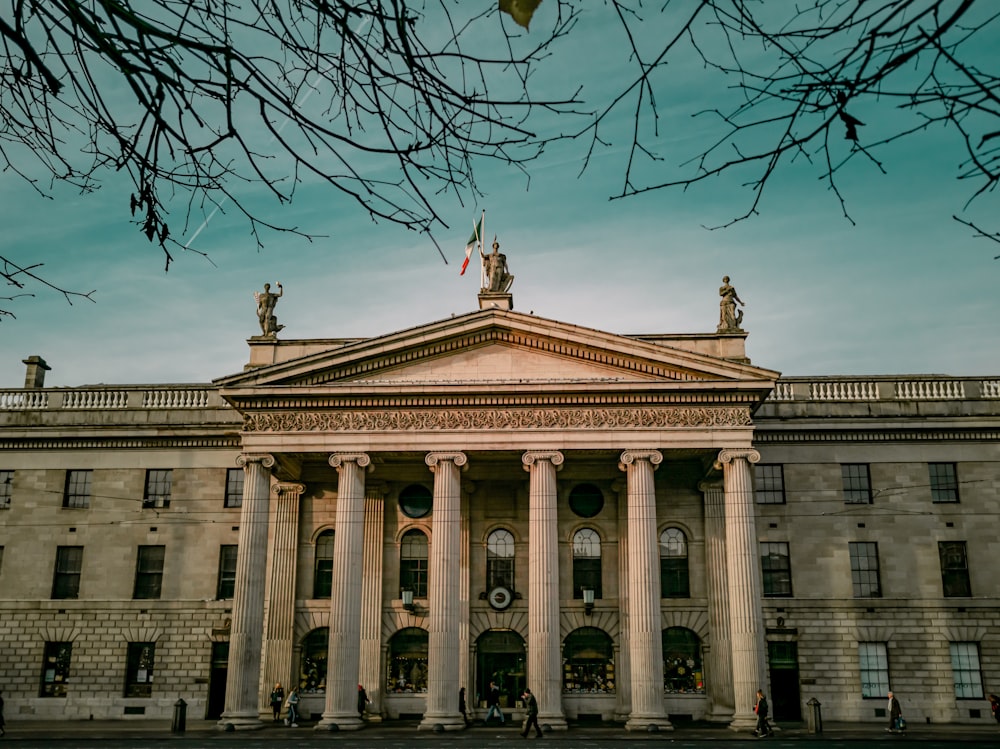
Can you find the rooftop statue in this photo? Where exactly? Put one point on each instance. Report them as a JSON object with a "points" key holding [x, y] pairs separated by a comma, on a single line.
{"points": [[497, 279], [266, 301], [729, 317]]}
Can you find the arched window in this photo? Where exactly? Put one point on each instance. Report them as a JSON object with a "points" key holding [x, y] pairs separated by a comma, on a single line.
{"points": [[586, 562], [312, 665], [674, 581], [682, 661], [588, 658], [323, 565], [407, 661], [500, 560], [413, 563]]}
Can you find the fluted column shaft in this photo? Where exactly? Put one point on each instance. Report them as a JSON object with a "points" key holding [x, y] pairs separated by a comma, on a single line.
{"points": [[720, 655], [248, 597], [370, 671], [544, 660], [343, 660], [280, 615], [645, 635], [623, 667], [443, 594], [743, 569]]}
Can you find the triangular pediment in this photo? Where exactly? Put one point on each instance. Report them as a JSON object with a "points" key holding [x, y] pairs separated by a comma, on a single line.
{"points": [[495, 346]]}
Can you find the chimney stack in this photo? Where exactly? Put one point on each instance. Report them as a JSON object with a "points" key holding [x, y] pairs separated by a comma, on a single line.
{"points": [[34, 377]]}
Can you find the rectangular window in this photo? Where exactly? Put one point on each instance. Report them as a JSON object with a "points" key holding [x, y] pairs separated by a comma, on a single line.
{"points": [[139, 669], [1, 559], [954, 569], [944, 482], [965, 668], [234, 487], [864, 570], [227, 572], [769, 482], [77, 491], [66, 580], [874, 660], [776, 568], [857, 483], [6, 489], [158, 482], [149, 572], [55, 669]]}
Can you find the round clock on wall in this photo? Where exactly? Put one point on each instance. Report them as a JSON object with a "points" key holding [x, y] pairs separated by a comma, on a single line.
{"points": [[500, 598]]}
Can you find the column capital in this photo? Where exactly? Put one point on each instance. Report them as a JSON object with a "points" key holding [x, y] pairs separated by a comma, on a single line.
{"points": [[283, 488], [629, 457], [265, 459], [432, 459], [533, 456], [729, 454], [362, 459], [711, 485]]}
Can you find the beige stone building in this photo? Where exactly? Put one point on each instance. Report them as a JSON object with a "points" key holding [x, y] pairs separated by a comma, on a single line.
{"points": [[640, 528]]}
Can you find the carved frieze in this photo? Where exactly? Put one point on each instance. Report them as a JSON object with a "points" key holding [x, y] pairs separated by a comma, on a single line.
{"points": [[497, 419]]}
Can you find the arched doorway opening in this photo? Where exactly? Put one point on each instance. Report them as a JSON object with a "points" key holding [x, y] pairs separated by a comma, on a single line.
{"points": [[500, 657]]}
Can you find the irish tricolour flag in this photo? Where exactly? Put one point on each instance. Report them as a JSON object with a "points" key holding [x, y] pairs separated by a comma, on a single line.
{"points": [[474, 241]]}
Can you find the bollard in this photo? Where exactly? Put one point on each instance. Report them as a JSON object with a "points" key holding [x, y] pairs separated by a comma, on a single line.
{"points": [[180, 717], [815, 716]]}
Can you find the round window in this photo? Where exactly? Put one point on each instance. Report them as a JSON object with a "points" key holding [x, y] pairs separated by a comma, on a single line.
{"points": [[586, 500], [415, 501]]}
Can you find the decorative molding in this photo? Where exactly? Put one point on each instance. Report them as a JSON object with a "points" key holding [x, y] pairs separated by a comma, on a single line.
{"points": [[432, 459], [762, 436], [265, 459], [627, 458], [531, 457], [289, 488], [362, 459], [727, 455], [120, 443], [498, 419]]}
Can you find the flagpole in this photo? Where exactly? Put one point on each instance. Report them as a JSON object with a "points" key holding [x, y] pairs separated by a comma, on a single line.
{"points": [[482, 256]]}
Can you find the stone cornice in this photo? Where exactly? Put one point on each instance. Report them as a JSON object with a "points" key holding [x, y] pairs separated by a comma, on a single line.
{"points": [[502, 419], [225, 442], [765, 437]]}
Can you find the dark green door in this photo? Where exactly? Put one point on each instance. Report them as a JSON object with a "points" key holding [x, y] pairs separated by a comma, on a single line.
{"points": [[783, 659]]}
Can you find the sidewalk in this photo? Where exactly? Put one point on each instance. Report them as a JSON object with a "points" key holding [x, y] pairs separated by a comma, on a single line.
{"points": [[201, 729]]}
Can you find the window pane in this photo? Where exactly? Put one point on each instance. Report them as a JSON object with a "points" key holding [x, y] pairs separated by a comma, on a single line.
{"points": [[407, 670], [769, 482], [66, 580], [158, 484], [588, 665], [149, 572], [674, 580], [965, 667], [312, 667], [500, 559], [864, 570], [776, 569], [587, 563], [77, 492], [682, 671], [954, 569], [234, 487], [227, 571], [874, 662], [857, 486], [413, 563], [944, 482], [6, 489], [323, 566], [55, 669], [139, 669]]}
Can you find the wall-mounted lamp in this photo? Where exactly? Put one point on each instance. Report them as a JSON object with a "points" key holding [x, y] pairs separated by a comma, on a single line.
{"points": [[588, 600], [408, 600]]}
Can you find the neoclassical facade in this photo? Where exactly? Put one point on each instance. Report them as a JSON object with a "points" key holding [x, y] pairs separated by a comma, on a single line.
{"points": [[643, 529]]}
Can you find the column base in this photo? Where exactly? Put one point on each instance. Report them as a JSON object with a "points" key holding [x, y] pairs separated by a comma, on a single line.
{"points": [[719, 714], [446, 723], [340, 723], [651, 724], [239, 723], [743, 724]]}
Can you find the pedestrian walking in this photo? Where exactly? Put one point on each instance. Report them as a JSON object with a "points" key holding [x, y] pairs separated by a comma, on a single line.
{"points": [[493, 703], [763, 728], [293, 708], [896, 722], [994, 708], [277, 700], [532, 704], [3, 729], [462, 706], [362, 700]]}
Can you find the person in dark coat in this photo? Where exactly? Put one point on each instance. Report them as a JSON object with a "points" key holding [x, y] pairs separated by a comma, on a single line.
{"points": [[763, 728], [3, 730], [994, 707], [277, 700], [462, 706], [895, 713], [493, 703], [362, 700], [532, 704]]}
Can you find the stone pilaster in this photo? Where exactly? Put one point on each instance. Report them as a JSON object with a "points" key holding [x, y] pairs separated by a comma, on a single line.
{"points": [[623, 670], [544, 656], [746, 625], [443, 595], [241, 710], [343, 657], [279, 619], [370, 671], [719, 659], [645, 628]]}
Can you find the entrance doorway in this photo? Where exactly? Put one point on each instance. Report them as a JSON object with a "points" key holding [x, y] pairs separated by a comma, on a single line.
{"points": [[783, 659], [217, 681], [500, 658]]}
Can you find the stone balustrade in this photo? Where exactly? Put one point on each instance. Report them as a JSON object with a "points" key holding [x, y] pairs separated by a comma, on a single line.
{"points": [[110, 398]]}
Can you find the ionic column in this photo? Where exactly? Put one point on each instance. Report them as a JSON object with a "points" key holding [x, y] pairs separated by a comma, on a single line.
{"points": [[343, 657], [443, 595], [465, 674], [623, 671], [746, 624], [544, 657], [719, 661], [370, 667], [280, 615], [248, 597], [645, 630]]}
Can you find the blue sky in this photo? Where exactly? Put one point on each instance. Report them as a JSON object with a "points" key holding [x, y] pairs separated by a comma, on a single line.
{"points": [[905, 290]]}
